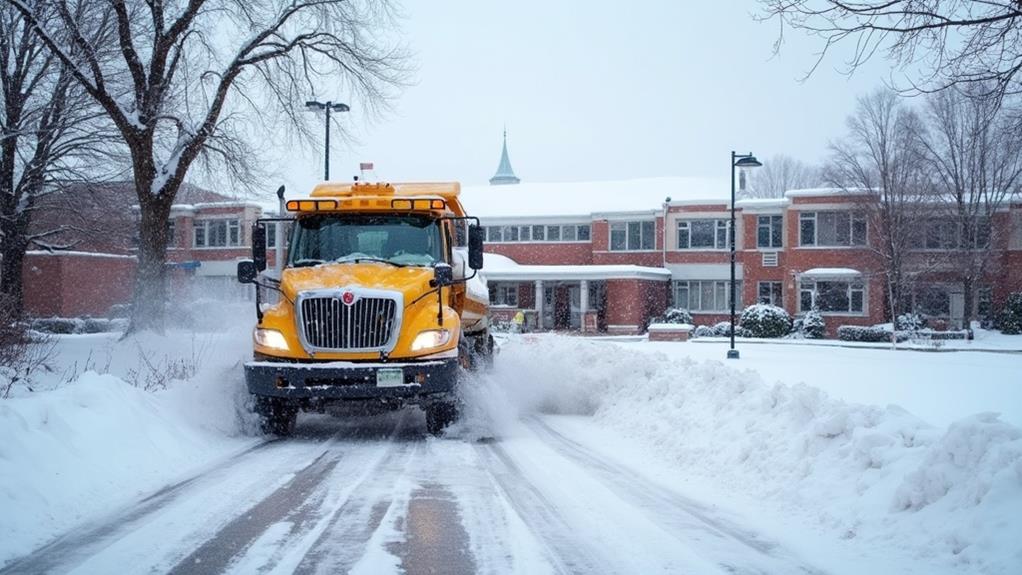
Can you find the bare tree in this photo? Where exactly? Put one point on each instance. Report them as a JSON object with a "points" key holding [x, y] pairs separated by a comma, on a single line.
{"points": [[167, 92], [977, 160], [49, 132], [881, 162], [954, 42], [780, 174]]}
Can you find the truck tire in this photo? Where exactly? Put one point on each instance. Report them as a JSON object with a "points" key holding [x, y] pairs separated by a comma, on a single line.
{"points": [[275, 416], [439, 415]]}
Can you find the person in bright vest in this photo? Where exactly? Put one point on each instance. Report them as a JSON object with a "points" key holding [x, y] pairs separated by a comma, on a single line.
{"points": [[519, 320]]}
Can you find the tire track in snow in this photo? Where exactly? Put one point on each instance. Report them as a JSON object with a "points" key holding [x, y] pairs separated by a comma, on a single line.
{"points": [[568, 554], [302, 517], [690, 521], [86, 539]]}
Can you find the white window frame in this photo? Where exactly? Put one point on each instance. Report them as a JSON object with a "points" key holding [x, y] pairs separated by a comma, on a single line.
{"points": [[697, 287], [505, 294], [769, 225], [814, 217], [771, 299], [642, 236], [721, 234], [231, 224], [808, 286]]}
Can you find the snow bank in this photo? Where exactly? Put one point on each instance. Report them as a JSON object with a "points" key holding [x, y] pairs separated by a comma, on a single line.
{"points": [[876, 477], [99, 442]]}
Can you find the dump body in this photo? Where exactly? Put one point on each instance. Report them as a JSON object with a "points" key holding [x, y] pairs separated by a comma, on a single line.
{"points": [[377, 300]]}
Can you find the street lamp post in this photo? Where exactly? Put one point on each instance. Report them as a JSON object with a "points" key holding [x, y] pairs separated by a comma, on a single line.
{"points": [[327, 107], [737, 161]]}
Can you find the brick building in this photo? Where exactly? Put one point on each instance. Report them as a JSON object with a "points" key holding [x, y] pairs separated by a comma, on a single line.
{"points": [[636, 247]]}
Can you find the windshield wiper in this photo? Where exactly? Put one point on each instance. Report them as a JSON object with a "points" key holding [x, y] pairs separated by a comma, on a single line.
{"points": [[361, 259], [307, 263]]}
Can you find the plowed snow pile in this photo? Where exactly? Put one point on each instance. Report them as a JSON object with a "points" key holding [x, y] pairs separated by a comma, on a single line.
{"points": [[873, 476], [85, 446]]}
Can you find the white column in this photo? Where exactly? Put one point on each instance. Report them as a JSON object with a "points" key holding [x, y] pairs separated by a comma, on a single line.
{"points": [[583, 303], [539, 304]]}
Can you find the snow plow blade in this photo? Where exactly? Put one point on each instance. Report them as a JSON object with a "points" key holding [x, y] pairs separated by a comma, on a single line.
{"points": [[352, 380]]}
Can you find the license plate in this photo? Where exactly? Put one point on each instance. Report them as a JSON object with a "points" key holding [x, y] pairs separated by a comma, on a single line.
{"points": [[390, 378]]}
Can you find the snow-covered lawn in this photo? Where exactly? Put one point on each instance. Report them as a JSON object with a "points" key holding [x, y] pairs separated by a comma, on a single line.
{"points": [[940, 387]]}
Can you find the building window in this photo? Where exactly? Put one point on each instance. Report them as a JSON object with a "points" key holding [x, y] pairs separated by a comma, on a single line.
{"points": [[505, 294], [631, 236], [945, 234], [932, 301], [705, 295], [984, 303], [832, 229], [171, 233], [217, 233], [846, 297], [770, 232], [703, 234], [771, 293], [530, 233]]}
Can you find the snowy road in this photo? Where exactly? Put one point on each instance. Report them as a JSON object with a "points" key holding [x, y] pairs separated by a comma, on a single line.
{"points": [[377, 495]]}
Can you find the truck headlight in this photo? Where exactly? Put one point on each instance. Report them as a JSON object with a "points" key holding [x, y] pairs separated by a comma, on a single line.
{"points": [[270, 338], [431, 338]]}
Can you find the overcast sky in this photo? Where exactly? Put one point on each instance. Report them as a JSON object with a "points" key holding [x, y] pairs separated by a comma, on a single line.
{"points": [[593, 90]]}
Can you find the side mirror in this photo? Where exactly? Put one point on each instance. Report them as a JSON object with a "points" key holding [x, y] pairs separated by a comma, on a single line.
{"points": [[247, 272], [259, 247], [443, 274], [476, 235]]}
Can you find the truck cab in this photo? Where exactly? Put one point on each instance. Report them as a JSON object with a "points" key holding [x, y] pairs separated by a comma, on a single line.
{"points": [[378, 303]]}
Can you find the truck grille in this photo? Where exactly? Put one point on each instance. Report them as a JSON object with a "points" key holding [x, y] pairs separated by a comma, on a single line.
{"points": [[366, 324]]}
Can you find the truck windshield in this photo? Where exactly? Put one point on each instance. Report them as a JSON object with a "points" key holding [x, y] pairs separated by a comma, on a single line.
{"points": [[398, 240]]}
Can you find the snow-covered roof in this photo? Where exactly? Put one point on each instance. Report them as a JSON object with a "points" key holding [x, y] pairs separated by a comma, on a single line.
{"points": [[584, 198], [825, 192], [831, 272], [502, 268], [78, 254]]}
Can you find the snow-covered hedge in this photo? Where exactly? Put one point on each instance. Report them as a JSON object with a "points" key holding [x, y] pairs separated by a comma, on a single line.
{"points": [[723, 329], [77, 325], [813, 325], [676, 315], [703, 331], [911, 322], [874, 334], [764, 320], [1010, 320]]}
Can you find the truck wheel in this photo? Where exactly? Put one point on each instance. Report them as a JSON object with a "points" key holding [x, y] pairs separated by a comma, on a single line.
{"points": [[276, 417], [439, 415]]}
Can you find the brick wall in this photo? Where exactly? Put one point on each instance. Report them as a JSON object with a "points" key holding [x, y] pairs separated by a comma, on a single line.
{"points": [[71, 285]]}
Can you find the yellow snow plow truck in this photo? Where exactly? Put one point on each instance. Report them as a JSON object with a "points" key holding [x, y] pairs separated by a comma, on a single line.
{"points": [[378, 303]]}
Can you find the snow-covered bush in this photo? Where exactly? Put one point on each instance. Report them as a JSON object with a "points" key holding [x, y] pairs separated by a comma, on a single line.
{"points": [[765, 320], [911, 322], [875, 334], [1010, 320], [22, 352], [76, 325], [703, 331], [813, 326], [723, 329], [676, 315]]}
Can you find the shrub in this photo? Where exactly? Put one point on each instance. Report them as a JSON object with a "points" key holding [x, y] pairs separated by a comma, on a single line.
{"points": [[764, 320], [813, 326], [723, 329], [22, 352], [703, 331], [909, 322], [873, 334], [57, 325], [1010, 319], [677, 315]]}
